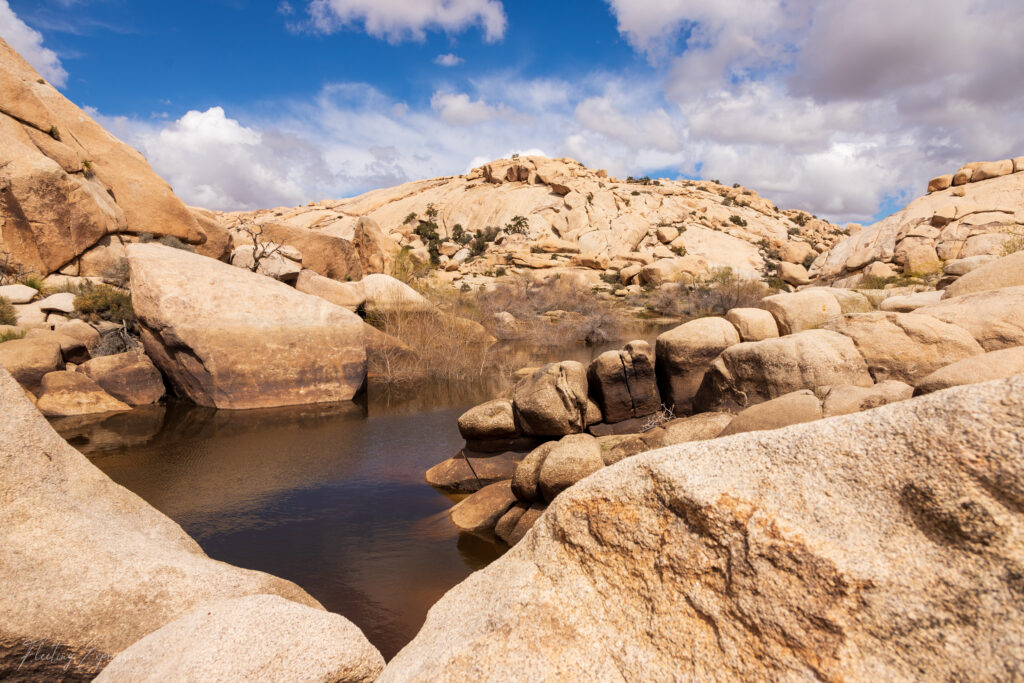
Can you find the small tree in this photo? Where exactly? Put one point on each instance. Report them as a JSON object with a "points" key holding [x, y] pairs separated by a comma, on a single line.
{"points": [[261, 250]]}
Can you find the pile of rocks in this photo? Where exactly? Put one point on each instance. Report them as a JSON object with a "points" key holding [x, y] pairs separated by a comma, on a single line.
{"points": [[807, 355]]}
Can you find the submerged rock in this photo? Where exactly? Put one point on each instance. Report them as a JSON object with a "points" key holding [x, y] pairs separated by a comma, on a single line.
{"points": [[878, 546], [229, 338]]}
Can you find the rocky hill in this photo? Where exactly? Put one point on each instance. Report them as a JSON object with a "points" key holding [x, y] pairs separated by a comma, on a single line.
{"points": [[536, 213], [965, 219]]}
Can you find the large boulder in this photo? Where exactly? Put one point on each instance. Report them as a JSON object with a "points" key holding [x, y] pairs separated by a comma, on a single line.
{"points": [[376, 252], [699, 427], [684, 355], [526, 479], [71, 393], [130, 377], [228, 338], [553, 400], [324, 254], [384, 294], [988, 366], [68, 182], [753, 324], [87, 567], [1005, 272], [572, 459], [753, 372], [877, 546], [904, 346], [491, 420], [802, 310], [28, 360], [256, 637], [995, 317], [623, 382], [788, 409]]}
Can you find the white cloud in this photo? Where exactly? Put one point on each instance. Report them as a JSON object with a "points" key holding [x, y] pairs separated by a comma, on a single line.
{"points": [[398, 20], [833, 106], [448, 60], [29, 43], [458, 109]]}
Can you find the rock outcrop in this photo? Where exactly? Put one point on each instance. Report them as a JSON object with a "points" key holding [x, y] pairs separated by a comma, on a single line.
{"points": [[86, 567], [878, 546], [66, 183], [229, 338]]}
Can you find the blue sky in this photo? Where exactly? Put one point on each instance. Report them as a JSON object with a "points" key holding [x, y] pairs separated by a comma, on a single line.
{"points": [[844, 109]]}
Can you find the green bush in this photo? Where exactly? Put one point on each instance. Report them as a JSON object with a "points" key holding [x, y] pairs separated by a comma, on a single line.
{"points": [[519, 225], [8, 316], [736, 220], [11, 335], [100, 302], [33, 281], [411, 218], [479, 244]]}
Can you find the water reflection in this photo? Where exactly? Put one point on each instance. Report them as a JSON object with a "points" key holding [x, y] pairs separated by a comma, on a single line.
{"points": [[331, 497]]}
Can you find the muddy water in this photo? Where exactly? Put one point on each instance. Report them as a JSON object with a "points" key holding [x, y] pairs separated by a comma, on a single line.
{"points": [[330, 497]]}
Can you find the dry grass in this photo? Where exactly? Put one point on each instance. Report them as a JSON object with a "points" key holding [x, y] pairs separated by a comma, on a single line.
{"points": [[713, 295], [8, 316]]}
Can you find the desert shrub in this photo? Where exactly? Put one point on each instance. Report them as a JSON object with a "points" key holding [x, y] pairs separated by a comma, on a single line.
{"points": [[87, 168], [407, 267], [460, 235], [1012, 245], [679, 251], [175, 243], [736, 220], [34, 281], [714, 294], [54, 133], [809, 260], [800, 219], [8, 316], [483, 237], [100, 302], [635, 193], [411, 218], [519, 225], [500, 271], [875, 282], [146, 237], [116, 341], [11, 335]]}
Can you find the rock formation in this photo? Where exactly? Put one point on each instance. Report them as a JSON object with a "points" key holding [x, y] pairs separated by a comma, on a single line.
{"points": [[229, 338], [882, 546]]}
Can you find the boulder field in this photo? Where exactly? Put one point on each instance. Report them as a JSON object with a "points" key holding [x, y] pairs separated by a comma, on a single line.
{"points": [[879, 546], [88, 568], [701, 382]]}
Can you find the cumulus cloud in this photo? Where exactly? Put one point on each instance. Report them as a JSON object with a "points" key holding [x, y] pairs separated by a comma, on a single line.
{"points": [[835, 106], [398, 20], [458, 109], [29, 43], [448, 60]]}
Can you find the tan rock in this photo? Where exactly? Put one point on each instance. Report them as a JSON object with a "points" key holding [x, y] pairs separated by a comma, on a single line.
{"points": [[455, 476], [754, 372], [794, 274], [939, 183], [943, 215], [384, 294], [624, 384], [685, 353], [553, 400], [802, 310], [269, 638], [526, 480], [269, 346], [995, 318], [962, 266], [89, 567], [963, 176], [788, 409], [482, 510], [795, 252], [984, 368], [73, 348], [129, 377], [275, 265], [28, 360], [491, 420], [629, 272], [996, 274], [904, 346], [882, 271], [507, 524], [73, 393], [572, 459], [350, 295], [18, 294], [847, 399], [804, 554], [667, 233], [921, 259], [700, 427], [376, 252], [753, 324], [992, 169], [908, 303]]}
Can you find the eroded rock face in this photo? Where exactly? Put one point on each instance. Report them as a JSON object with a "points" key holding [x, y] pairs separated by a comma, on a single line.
{"points": [[254, 637], [995, 317], [623, 382], [685, 354], [983, 368], [900, 558], [68, 182], [996, 274], [85, 565], [788, 409], [130, 377], [553, 400], [229, 338]]}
